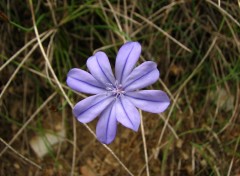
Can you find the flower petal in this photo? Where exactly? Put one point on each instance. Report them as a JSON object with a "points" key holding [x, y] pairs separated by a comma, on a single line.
{"points": [[154, 101], [142, 76], [107, 125], [84, 82], [127, 113], [100, 68], [89, 108], [126, 59]]}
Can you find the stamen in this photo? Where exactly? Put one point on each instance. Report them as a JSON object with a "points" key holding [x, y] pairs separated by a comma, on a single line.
{"points": [[115, 89]]}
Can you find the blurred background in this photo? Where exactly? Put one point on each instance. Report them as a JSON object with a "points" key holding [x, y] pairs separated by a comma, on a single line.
{"points": [[197, 48]]}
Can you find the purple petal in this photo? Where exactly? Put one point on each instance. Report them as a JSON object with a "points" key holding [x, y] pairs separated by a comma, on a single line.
{"points": [[154, 101], [89, 108], [127, 57], [142, 76], [127, 113], [84, 82], [100, 68], [107, 125]]}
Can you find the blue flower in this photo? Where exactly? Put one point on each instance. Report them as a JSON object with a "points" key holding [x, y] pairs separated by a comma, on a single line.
{"points": [[116, 97]]}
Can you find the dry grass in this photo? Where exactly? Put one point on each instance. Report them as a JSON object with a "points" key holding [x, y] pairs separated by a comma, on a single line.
{"points": [[197, 47]]}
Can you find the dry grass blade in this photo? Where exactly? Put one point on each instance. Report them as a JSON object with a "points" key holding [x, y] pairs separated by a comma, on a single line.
{"points": [[197, 68], [195, 45], [63, 92], [115, 17], [20, 65], [224, 12], [181, 88], [21, 156], [144, 144], [163, 32], [28, 121], [231, 163], [57, 81], [46, 34]]}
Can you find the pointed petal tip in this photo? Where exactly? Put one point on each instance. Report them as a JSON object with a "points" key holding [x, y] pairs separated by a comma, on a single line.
{"points": [[104, 141], [127, 114], [69, 76], [163, 107], [154, 101], [72, 72], [141, 78], [126, 59], [107, 125], [100, 68], [133, 43], [136, 127], [75, 113], [82, 81], [98, 53], [90, 59], [89, 108]]}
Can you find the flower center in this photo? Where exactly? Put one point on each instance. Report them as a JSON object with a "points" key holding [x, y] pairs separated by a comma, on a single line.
{"points": [[115, 89]]}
